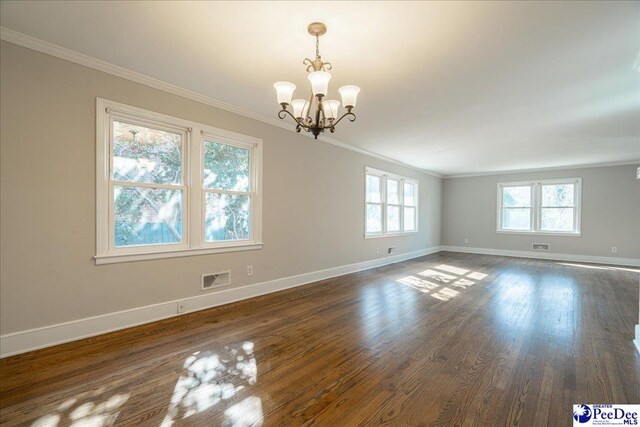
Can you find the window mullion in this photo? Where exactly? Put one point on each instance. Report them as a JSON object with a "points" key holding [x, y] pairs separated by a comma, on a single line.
{"points": [[401, 200], [194, 180], [383, 191], [232, 192], [150, 185], [535, 211]]}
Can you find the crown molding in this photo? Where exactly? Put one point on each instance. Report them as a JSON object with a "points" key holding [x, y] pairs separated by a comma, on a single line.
{"points": [[42, 46], [554, 168], [45, 47]]}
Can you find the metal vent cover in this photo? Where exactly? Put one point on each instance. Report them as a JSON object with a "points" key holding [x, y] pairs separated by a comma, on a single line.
{"points": [[216, 280], [540, 246]]}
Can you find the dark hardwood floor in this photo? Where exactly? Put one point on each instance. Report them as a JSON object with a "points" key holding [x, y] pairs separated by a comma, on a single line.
{"points": [[448, 339]]}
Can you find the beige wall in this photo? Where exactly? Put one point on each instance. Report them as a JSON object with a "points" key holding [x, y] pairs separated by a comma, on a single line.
{"points": [[610, 213], [312, 209]]}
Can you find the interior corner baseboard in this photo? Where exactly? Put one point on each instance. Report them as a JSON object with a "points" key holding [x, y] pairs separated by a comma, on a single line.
{"points": [[47, 336], [546, 255]]}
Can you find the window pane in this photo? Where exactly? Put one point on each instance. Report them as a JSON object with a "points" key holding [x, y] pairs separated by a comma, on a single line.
{"points": [[393, 218], [516, 197], [409, 196], [557, 195], [226, 167], [393, 191], [142, 154], [374, 218], [373, 189], [516, 219], [226, 217], [409, 219], [146, 216], [556, 219]]}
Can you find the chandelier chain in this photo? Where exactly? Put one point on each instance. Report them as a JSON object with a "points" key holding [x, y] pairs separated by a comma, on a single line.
{"points": [[317, 46]]}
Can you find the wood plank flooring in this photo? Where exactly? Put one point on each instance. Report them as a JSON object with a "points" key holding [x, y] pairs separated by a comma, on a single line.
{"points": [[444, 340]]}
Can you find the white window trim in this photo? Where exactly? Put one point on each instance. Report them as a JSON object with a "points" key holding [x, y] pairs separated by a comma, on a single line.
{"points": [[383, 194], [194, 135], [536, 207], [211, 135]]}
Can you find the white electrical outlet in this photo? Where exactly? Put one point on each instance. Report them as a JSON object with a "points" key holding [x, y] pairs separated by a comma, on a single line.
{"points": [[249, 270], [466, 241], [377, 251], [181, 307], [614, 250]]}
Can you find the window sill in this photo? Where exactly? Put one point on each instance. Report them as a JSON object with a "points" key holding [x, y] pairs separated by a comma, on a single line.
{"points": [[538, 233], [144, 256], [378, 236]]}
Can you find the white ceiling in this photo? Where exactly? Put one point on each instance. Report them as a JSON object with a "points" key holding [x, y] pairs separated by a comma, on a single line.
{"points": [[450, 87]]}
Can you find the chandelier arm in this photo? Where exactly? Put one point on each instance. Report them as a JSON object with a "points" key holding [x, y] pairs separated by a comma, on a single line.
{"points": [[352, 118], [309, 64], [283, 116]]}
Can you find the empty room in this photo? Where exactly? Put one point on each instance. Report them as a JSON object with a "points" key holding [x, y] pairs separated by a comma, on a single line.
{"points": [[361, 213]]}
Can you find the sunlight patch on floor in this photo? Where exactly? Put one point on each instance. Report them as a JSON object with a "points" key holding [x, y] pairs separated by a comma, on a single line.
{"points": [[96, 412], [209, 378], [437, 275], [463, 283], [419, 284], [445, 294], [439, 283], [451, 269], [476, 275], [247, 413]]}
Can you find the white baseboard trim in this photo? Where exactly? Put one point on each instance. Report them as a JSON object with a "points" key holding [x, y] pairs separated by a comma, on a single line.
{"points": [[546, 255], [47, 336]]}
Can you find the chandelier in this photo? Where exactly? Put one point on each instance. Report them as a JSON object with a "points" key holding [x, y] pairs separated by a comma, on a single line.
{"points": [[325, 111]]}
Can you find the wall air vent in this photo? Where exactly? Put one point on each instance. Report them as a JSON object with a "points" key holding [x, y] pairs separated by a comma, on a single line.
{"points": [[216, 280], [540, 246]]}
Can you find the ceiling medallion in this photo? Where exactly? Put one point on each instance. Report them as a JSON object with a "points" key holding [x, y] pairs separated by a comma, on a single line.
{"points": [[325, 111]]}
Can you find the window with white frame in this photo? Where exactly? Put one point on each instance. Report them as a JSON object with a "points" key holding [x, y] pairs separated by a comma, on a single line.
{"points": [[391, 204], [542, 207], [171, 187], [227, 192]]}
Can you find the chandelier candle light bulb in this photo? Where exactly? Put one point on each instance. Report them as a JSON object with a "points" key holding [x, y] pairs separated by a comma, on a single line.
{"points": [[300, 108], [349, 95], [319, 82], [316, 115], [284, 91], [330, 109]]}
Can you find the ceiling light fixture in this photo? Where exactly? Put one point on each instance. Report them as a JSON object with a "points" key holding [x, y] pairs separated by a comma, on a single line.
{"points": [[326, 112]]}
